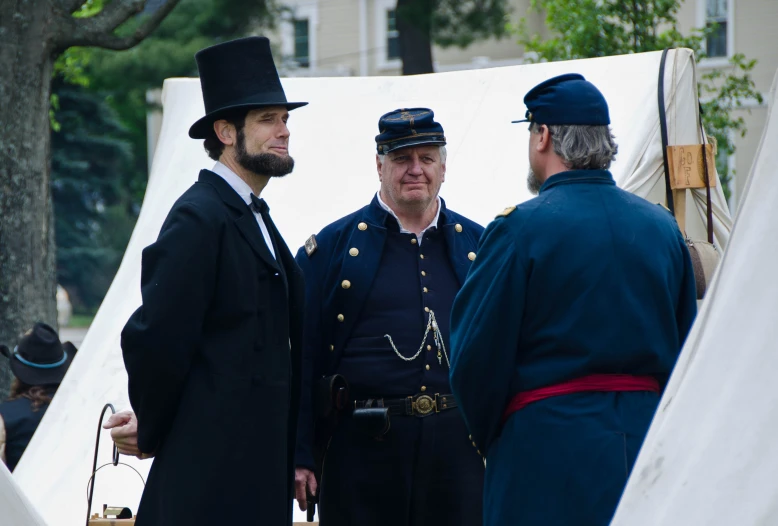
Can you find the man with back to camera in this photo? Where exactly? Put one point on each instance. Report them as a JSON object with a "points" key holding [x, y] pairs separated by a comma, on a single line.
{"points": [[379, 287], [213, 354], [569, 324]]}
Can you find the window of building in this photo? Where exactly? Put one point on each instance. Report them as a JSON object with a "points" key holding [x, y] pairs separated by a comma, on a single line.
{"points": [[716, 17], [301, 42], [392, 35]]}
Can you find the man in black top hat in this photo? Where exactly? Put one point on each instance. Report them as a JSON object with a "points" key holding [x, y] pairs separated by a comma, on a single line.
{"points": [[379, 287], [213, 354], [39, 363]]}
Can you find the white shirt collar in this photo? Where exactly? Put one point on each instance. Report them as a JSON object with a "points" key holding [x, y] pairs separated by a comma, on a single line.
{"points": [[240, 186], [243, 189], [403, 229]]}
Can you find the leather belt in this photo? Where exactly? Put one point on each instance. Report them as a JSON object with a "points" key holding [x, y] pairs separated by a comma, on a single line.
{"points": [[416, 405]]}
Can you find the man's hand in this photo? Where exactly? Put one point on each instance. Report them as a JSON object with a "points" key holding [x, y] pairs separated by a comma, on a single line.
{"points": [[303, 478], [124, 433]]}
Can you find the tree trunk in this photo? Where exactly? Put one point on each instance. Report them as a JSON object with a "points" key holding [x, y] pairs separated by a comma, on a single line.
{"points": [[414, 28], [27, 254]]}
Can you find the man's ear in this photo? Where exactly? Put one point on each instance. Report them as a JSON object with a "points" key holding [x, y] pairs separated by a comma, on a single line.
{"points": [[544, 139], [379, 167], [225, 132]]}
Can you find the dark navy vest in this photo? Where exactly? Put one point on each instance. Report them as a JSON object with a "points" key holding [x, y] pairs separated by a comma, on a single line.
{"points": [[411, 280], [20, 424]]}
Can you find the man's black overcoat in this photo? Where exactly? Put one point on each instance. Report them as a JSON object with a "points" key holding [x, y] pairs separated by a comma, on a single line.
{"points": [[213, 359]]}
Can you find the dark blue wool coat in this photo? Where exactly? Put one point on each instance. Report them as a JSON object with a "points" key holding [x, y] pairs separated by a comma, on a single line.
{"points": [[583, 279]]}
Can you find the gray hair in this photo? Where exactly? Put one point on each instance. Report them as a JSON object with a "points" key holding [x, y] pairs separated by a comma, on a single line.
{"points": [[582, 147], [442, 150]]}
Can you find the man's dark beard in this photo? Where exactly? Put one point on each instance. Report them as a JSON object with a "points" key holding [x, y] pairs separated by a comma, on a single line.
{"points": [[533, 183], [268, 164]]}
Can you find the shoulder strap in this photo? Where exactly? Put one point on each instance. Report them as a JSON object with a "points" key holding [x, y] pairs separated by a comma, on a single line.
{"points": [[707, 181], [663, 128]]}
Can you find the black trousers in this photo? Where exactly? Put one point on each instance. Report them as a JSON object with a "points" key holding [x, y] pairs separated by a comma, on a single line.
{"points": [[424, 472]]}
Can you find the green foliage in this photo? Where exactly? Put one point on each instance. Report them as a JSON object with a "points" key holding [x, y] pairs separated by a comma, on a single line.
{"points": [[598, 28], [93, 212], [460, 23], [721, 91], [53, 107], [89, 8], [70, 66]]}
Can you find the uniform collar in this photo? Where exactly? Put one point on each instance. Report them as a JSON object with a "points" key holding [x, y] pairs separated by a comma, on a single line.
{"points": [[578, 177], [386, 208]]}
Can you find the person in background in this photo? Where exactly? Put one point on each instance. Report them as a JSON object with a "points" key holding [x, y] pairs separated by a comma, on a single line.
{"points": [[39, 363]]}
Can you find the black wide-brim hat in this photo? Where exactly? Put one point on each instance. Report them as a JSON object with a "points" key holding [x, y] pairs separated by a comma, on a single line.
{"points": [[238, 75], [40, 358]]}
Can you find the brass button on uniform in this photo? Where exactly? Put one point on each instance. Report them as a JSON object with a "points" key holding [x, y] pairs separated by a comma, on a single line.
{"points": [[332, 348], [345, 284], [427, 367], [423, 273], [355, 252], [341, 317], [425, 289], [470, 437], [426, 309], [475, 446], [429, 347], [413, 241], [470, 256], [458, 227], [362, 226], [421, 256], [423, 388]]}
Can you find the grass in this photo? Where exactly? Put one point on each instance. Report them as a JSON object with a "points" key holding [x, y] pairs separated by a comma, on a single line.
{"points": [[81, 320]]}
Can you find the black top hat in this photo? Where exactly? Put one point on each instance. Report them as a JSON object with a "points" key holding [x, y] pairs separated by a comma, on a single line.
{"points": [[40, 358], [237, 75]]}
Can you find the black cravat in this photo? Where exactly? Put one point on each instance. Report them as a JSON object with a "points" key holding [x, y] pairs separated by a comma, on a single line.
{"points": [[259, 206]]}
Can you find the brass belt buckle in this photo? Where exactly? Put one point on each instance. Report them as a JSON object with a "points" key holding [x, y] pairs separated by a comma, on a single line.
{"points": [[425, 404]]}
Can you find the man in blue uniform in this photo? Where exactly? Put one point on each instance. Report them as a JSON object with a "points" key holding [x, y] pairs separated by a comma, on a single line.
{"points": [[380, 283], [569, 323]]}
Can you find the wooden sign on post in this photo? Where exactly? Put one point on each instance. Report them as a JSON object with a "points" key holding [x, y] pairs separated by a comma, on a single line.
{"points": [[686, 168]]}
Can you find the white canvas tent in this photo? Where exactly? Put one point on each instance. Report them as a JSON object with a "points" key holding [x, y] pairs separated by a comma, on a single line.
{"points": [[709, 457], [333, 143], [15, 507]]}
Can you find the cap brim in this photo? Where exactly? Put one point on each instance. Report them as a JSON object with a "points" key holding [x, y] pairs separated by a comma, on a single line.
{"points": [[203, 127], [522, 120], [420, 142]]}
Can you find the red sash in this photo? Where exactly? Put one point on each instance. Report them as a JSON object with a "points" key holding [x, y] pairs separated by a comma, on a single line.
{"points": [[593, 382]]}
